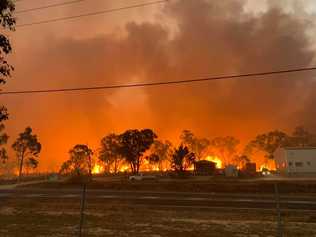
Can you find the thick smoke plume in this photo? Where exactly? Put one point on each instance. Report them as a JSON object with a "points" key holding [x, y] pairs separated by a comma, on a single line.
{"points": [[189, 39]]}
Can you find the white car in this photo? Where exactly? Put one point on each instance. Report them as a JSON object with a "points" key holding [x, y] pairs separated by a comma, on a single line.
{"points": [[140, 177]]}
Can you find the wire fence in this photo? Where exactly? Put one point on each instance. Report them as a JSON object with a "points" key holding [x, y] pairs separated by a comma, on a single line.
{"points": [[103, 209]]}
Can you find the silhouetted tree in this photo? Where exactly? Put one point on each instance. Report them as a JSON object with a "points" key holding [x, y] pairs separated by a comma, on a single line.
{"points": [[269, 142], [302, 138], [3, 156], [196, 145], [3, 113], [27, 147], [7, 21], [241, 160], [133, 145], [182, 158], [153, 159], [3, 140], [225, 147], [109, 152], [160, 152], [67, 167], [80, 162]]}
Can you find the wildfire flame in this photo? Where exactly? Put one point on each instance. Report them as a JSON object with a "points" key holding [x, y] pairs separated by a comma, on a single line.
{"points": [[269, 165], [124, 168], [97, 169], [216, 160]]}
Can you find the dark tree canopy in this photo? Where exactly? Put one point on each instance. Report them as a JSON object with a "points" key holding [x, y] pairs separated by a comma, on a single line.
{"points": [[133, 145], [3, 140], [195, 144], [182, 158], [109, 152], [225, 147], [160, 152], [27, 147], [80, 161], [7, 21], [269, 142], [301, 137]]}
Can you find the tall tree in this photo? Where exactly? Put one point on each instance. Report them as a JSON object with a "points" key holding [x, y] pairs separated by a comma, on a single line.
{"points": [[109, 152], [301, 137], [241, 160], [160, 153], [195, 144], [7, 22], [3, 140], [182, 158], [133, 145], [27, 147], [269, 142], [80, 162], [225, 148]]}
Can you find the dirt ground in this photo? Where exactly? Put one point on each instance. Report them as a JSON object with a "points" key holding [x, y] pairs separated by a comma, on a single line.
{"points": [[40, 217]]}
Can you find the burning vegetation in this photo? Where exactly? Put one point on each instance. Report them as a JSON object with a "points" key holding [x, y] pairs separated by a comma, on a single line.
{"points": [[137, 151], [140, 151]]}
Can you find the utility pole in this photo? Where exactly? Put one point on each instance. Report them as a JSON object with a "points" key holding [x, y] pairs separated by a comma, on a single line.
{"points": [[278, 209], [82, 207]]}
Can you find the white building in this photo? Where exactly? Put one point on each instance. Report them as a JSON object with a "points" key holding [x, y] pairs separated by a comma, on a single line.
{"points": [[296, 160]]}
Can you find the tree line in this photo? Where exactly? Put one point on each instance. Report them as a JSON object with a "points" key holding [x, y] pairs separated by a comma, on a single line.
{"points": [[26, 148], [136, 147]]}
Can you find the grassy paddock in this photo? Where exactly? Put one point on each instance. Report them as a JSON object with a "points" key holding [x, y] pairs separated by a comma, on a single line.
{"points": [[40, 217], [224, 185]]}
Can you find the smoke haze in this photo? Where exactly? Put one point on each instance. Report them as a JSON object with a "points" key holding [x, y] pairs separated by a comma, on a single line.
{"points": [[179, 40]]}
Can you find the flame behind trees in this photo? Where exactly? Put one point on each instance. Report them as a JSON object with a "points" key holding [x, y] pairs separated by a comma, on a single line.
{"points": [[128, 147], [182, 159], [27, 147], [109, 153], [269, 142], [197, 145], [225, 147], [129, 150], [160, 153], [133, 145], [80, 162]]}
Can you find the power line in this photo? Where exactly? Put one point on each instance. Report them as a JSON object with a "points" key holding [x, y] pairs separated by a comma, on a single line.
{"points": [[48, 6], [92, 13], [160, 83]]}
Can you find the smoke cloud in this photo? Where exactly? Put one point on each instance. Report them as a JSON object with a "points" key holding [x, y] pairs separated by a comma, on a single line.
{"points": [[188, 39]]}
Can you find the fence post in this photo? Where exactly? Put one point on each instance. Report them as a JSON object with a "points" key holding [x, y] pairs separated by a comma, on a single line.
{"points": [[278, 209], [82, 207]]}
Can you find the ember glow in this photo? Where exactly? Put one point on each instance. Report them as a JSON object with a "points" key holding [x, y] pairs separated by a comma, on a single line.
{"points": [[268, 165], [124, 168], [216, 160], [97, 169]]}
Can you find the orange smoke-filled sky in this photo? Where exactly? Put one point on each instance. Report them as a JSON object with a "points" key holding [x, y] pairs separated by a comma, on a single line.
{"points": [[181, 39]]}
